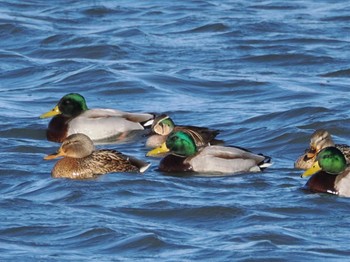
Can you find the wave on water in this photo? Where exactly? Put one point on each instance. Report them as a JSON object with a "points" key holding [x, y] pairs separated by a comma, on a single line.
{"points": [[266, 74]]}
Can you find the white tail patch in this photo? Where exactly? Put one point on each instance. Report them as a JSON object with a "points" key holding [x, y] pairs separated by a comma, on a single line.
{"points": [[265, 165], [149, 122], [144, 168]]}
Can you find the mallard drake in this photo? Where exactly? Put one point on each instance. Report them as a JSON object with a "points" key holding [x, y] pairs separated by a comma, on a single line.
{"points": [[186, 156], [163, 125], [319, 139], [330, 173], [71, 115], [81, 160]]}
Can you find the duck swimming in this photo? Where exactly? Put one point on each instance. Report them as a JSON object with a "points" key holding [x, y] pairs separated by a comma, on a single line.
{"points": [[319, 139], [71, 115], [330, 173], [163, 125], [186, 156], [81, 160]]}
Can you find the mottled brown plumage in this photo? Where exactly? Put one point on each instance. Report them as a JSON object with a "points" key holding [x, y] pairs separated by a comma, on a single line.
{"points": [[81, 161], [320, 139]]}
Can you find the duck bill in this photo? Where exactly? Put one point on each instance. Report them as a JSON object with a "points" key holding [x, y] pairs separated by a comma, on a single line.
{"points": [[158, 150], [55, 111], [310, 154], [312, 170], [53, 156]]}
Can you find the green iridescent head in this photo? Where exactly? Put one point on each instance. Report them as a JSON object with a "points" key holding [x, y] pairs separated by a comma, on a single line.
{"points": [[330, 160], [181, 143], [163, 125], [70, 105]]}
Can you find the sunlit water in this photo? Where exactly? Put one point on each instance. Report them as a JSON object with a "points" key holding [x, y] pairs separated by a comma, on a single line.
{"points": [[266, 73]]}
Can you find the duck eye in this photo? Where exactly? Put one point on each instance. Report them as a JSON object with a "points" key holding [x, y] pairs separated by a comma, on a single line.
{"points": [[66, 143], [312, 150], [66, 102]]}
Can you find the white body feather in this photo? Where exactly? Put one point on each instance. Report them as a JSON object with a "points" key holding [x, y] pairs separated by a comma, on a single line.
{"points": [[100, 124], [226, 160], [342, 184]]}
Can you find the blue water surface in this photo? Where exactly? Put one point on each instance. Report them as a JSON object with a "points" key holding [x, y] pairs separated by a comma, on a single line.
{"points": [[266, 73]]}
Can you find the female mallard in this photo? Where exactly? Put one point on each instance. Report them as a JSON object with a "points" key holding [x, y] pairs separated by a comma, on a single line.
{"points": [[81, 160], [330, 173], [163, 125], [71, 115], [320, 139], [186, 156]]}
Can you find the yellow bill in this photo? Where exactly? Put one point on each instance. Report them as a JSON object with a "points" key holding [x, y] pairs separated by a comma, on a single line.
{"points": [[55, 111], [158, 150], [312, 170]]}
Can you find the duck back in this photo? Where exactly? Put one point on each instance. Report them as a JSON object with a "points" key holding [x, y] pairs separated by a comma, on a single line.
{"points": [[226, 160], [98, 163]]}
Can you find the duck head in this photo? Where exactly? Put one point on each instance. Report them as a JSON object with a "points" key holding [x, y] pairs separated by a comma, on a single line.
{"points": [[330, 160], [70, 105], [320, 139], [178, 143], [75, 146], [163, 125]]}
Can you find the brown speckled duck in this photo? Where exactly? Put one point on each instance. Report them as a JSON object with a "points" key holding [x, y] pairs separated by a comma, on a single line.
{"points": [[81, 160], [320, 139]]}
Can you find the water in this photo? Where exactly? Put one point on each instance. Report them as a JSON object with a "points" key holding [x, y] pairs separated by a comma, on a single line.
{"points": [[267, 73]]}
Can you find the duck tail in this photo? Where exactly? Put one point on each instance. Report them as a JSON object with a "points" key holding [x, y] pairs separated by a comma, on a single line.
{"points": [[140, 164], [149, 122], [265, 163], [144, 168]]}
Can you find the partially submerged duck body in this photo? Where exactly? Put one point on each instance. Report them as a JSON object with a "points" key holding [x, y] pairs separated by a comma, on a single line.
{"points": [[71, 115], [185, 156], [216, 159], [329, 174], [81, 160]]}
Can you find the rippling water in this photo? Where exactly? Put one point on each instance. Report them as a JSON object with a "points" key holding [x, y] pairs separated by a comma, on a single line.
{"points": [[267, 73]]}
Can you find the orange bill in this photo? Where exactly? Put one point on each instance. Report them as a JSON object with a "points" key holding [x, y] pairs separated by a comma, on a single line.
{"points": [[54, 155]]}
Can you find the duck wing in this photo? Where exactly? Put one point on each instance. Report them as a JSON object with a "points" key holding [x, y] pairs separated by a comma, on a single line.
{"points": [[345, 149], [108, 113], [228, 160], [201, 135], [106, 161], [100, 124]]}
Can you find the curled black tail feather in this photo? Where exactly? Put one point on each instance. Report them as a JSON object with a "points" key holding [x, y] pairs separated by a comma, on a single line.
{"points": [[265, 163]]}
